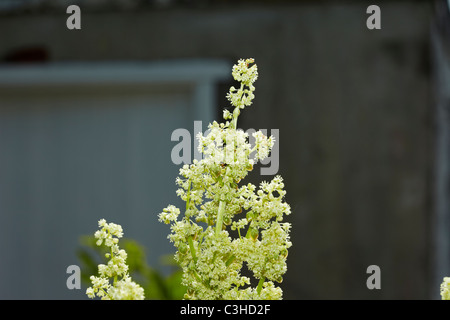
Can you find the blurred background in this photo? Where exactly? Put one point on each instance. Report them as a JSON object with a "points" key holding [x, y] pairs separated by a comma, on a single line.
{"points": [[87, 116]]}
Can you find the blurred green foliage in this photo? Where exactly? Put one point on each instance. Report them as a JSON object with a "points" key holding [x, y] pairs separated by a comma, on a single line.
{"points": [[157, 286]]}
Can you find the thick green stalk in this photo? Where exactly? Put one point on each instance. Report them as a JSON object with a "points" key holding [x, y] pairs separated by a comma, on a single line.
{"points": [[260, 284], [235, 117], [191, 246], [220, 217]]}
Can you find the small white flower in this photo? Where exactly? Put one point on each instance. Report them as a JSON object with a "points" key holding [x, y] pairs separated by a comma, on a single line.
{"points": [[169, 214]]}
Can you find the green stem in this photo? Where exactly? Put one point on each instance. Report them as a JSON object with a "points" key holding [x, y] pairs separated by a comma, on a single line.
{"points": [[220, 217], [260, 284], [111, 257], [188, 196], [236, 111], [191, 246], [235, 117], [106, 294], [214, 258]]}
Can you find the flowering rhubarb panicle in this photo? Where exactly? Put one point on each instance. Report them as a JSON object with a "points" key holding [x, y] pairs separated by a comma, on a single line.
{"points": [[123, 289], [227, 224]]}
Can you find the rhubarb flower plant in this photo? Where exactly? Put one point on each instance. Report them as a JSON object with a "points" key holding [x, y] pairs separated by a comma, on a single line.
{"points": [[227, 224]]}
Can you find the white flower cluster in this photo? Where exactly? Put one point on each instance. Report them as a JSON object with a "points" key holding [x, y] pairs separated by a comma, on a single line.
{"points": [[226, 225], [123, 289], [246, 76], [445, 289]]}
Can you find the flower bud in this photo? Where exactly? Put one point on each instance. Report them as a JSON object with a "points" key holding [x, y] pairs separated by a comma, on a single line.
{"points": [[182, 248], [254, 233]]}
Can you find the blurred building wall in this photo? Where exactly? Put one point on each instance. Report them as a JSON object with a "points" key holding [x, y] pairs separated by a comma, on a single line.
{"points": [[352, 106]]}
